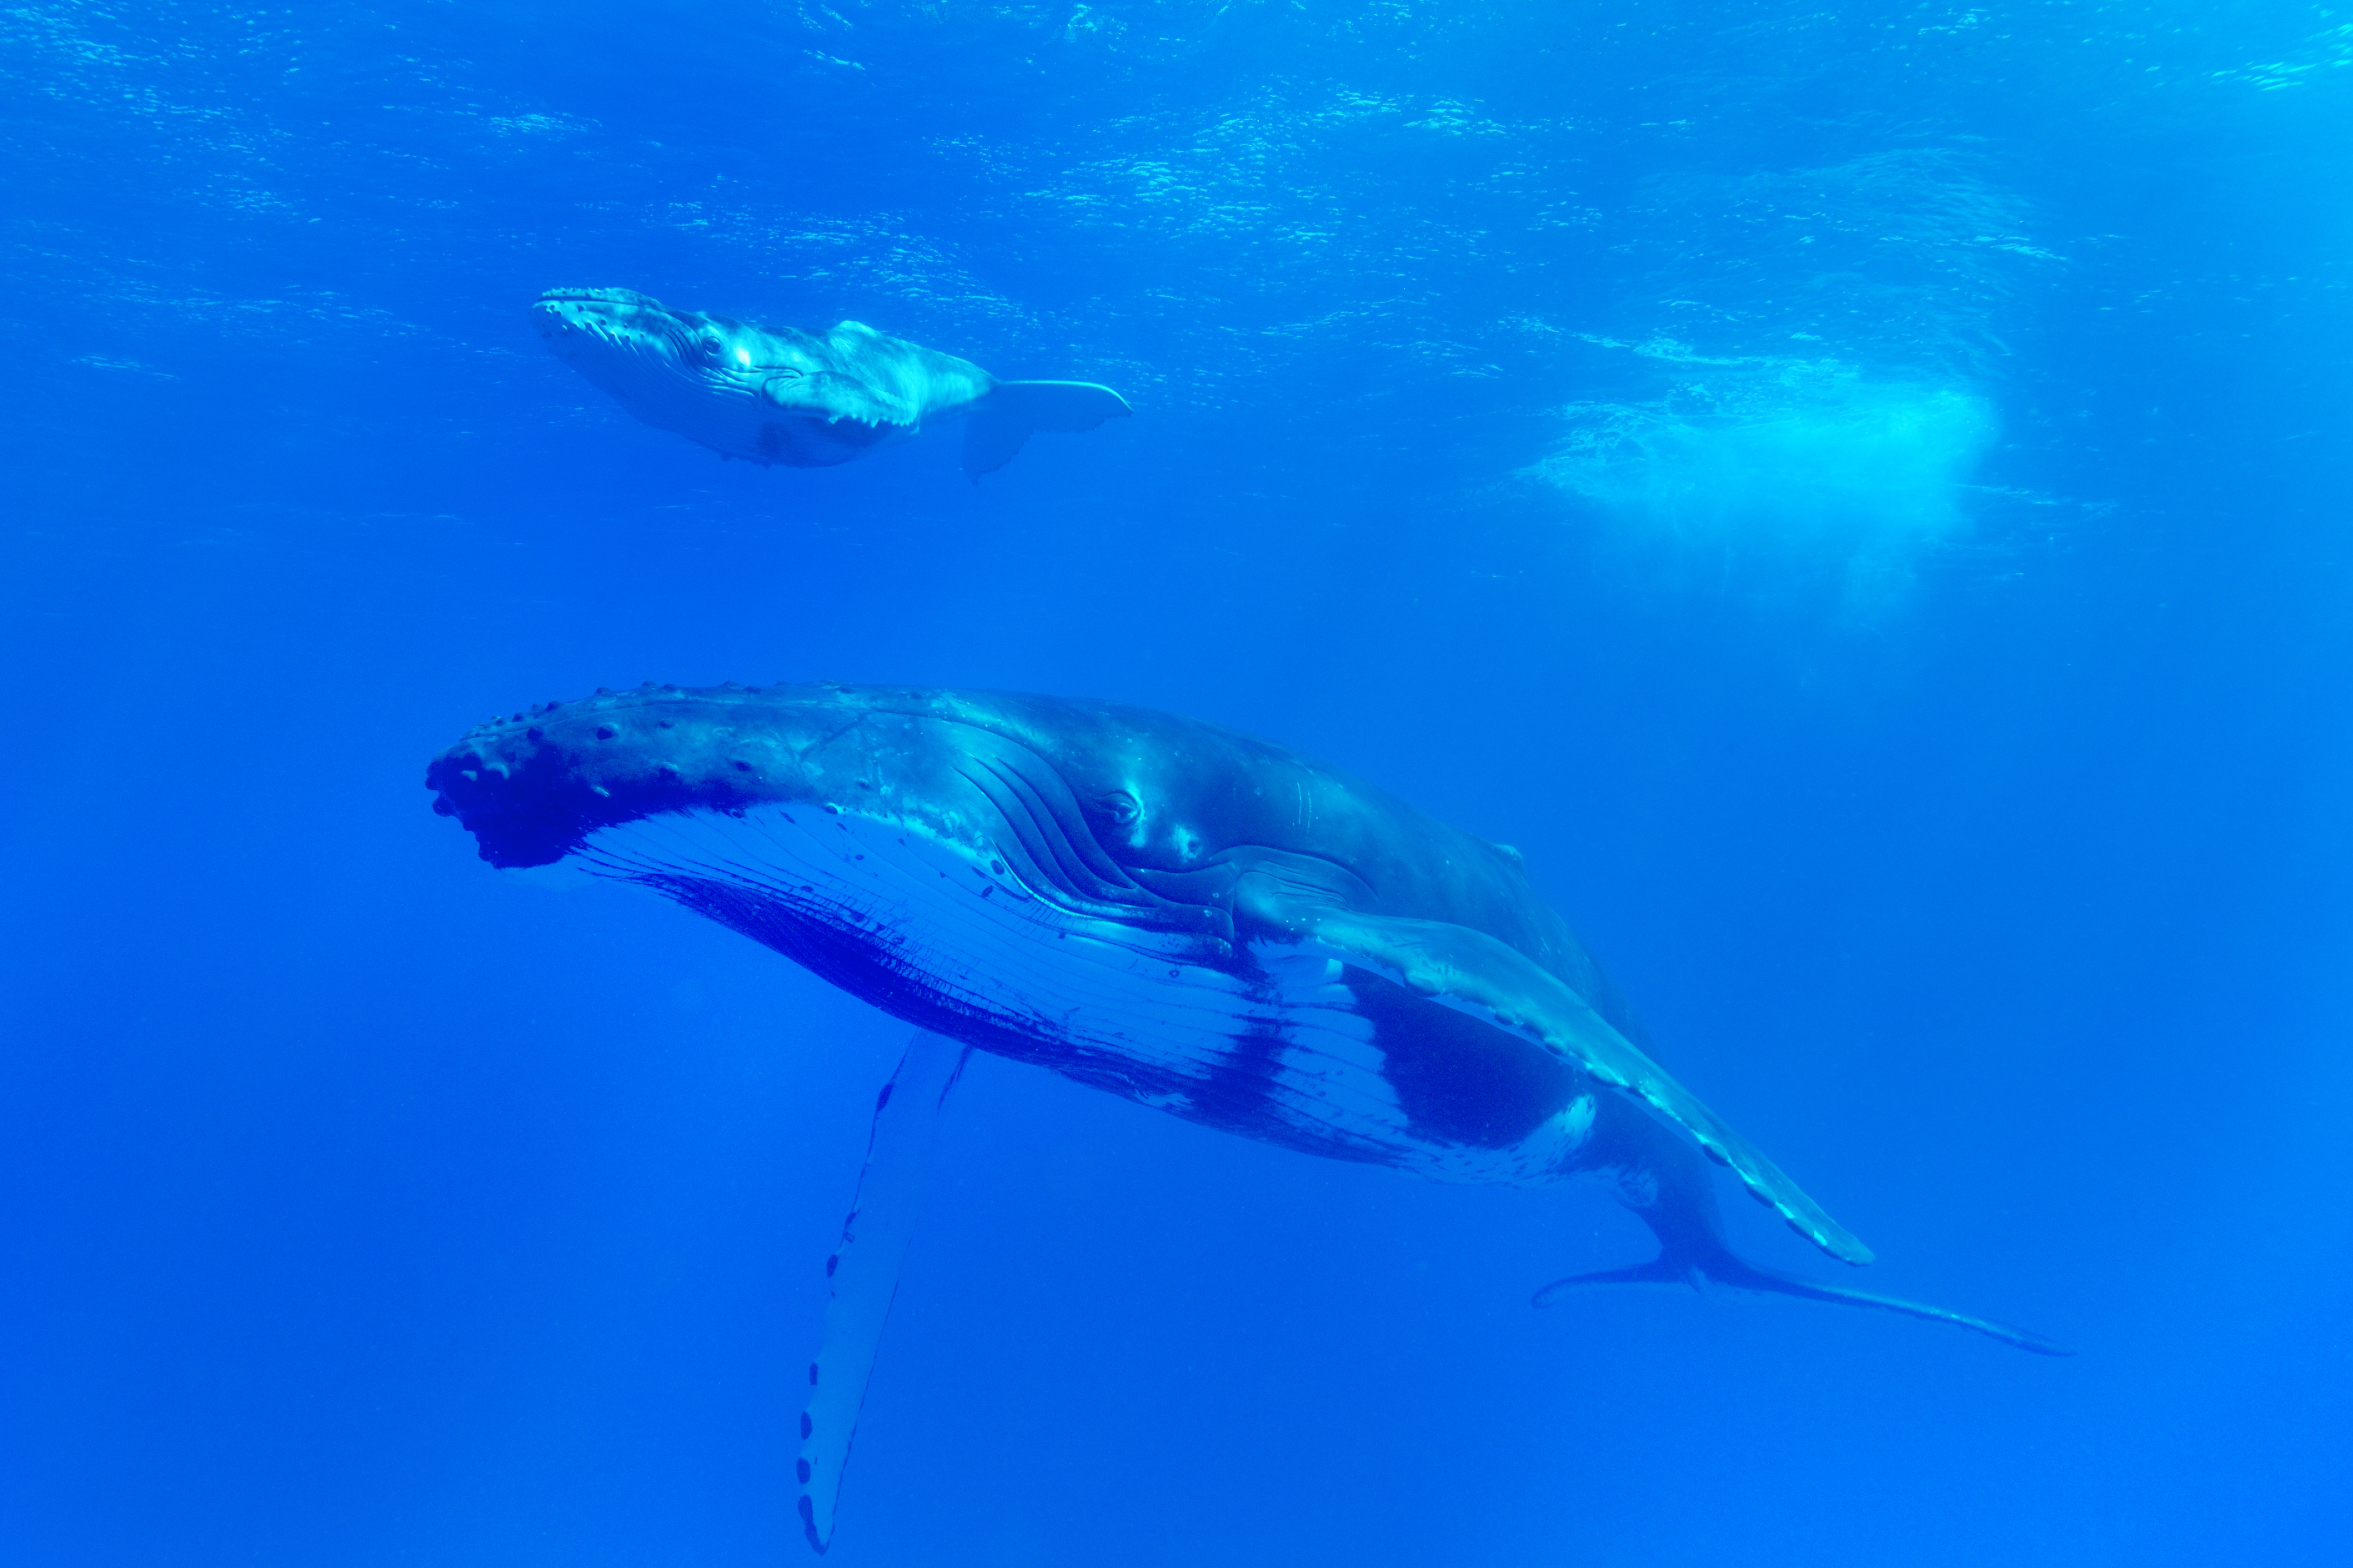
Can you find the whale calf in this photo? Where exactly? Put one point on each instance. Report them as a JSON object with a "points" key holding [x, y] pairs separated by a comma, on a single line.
{"points": [[1172, 912], [777, 394]]}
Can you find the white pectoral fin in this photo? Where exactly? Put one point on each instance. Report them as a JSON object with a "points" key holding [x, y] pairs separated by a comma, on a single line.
{"points": [[829, 395], [864, 1270], [1474, 973]]}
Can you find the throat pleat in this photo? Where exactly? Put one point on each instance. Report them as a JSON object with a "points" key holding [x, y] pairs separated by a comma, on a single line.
{"points": [[950, 937]]}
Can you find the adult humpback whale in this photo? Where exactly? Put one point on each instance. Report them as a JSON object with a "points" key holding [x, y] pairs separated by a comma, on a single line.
{"points": [[1178, 914], [776, 395]]}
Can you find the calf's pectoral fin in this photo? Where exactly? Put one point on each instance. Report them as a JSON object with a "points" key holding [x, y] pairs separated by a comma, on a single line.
{"points": [[1474, 973], [864, 1270], [1001, 423], [834, 398]]}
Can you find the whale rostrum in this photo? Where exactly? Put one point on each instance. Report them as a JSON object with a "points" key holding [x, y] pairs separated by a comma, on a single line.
{"points": [[773, 395], [1172, 912]]}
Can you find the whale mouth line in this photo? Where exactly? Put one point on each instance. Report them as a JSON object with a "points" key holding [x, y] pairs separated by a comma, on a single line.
{"points": [[535, 790]]}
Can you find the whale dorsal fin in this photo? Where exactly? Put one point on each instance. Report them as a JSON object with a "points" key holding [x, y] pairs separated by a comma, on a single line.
{"points": [[1475, 973]]}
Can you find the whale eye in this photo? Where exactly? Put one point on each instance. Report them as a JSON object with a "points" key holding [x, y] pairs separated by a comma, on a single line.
{"points": [[1120, 807]]}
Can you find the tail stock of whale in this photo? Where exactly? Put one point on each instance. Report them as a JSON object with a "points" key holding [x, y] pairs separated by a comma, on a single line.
{"points": [[1001, 423], [1701, 1267]]}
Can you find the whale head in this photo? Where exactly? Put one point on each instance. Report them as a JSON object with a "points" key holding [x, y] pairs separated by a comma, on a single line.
{"points": [[954, 859], [1084, 805], [766, 394]]}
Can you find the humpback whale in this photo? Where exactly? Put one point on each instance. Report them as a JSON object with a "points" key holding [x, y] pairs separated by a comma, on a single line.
{"points": [[1172, 912], [777, 394]]}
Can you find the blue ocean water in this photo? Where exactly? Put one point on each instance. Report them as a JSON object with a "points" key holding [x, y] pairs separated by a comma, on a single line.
{"points": [[1854, 495]]}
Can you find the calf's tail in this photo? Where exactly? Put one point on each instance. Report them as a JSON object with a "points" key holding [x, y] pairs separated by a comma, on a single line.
{"points": [[1001, 423]]}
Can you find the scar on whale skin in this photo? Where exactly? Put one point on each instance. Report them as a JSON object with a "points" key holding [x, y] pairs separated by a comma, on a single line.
{"points": [[774, 395]]}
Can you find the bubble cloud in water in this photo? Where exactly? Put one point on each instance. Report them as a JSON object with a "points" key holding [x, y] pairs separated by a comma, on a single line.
{"points": [[1768, 471]]}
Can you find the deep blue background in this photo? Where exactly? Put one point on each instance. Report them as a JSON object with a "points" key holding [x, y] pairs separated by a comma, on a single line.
{"points": [[1857, 499]]}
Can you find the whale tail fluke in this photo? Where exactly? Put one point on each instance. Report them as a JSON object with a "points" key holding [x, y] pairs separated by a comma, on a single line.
{"points": [[1002, 422], [1723, 1270], [1658, 1271]]}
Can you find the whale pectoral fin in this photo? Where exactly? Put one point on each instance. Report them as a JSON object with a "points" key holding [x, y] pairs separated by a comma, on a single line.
{"points": [[1001, 423], [1475, 973], [831, 396], [864, 1270]]}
